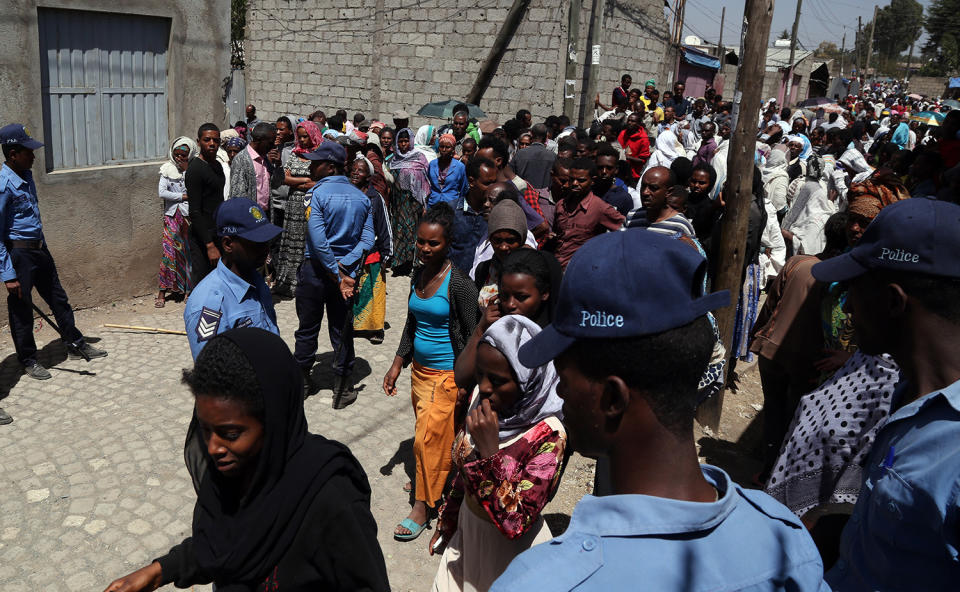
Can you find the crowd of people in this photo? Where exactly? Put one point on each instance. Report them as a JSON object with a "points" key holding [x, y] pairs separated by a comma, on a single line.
{"points": [[561, 300]]}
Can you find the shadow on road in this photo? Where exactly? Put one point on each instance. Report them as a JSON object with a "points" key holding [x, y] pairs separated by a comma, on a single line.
{"points": [[51, 356]]}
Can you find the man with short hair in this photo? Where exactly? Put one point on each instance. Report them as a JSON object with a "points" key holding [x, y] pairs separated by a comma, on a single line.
{"points": [[904, 300], [459, 130], [470, 213], [708, 144], [623, 90], [25, 261], [636, 145], [681, 104], [204, 179], [696, 118], [606, 184], [493, 149], [234, 294], [256, 170], [534, 162], [524, 118], [339, 235], [581, 215], [630, 340], [252, 120]]}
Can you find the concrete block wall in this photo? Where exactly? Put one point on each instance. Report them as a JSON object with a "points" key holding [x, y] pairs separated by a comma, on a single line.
{"points": [[928, 86], [376, 56], [104, 224]]}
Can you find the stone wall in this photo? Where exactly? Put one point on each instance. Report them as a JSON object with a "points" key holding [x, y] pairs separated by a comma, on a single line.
{"points": [[928, 86], [104, 224], [376, 56]]}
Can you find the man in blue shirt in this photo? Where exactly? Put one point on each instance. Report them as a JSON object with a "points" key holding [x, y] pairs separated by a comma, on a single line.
{"points": [[630, 342], [25, 262], [904, 299], [470, 213], [234, 294], [339, 235]]}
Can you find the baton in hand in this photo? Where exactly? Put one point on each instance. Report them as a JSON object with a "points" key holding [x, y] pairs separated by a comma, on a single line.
{"points": [[50, 322]]}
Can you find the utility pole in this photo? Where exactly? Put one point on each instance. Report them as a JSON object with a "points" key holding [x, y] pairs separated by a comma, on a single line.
{"points": [[489, 67], [573, 42], [843, 48], [856, 45], [683, 14], [873, 26], [738, 190], [906, 75], [723, 16], [793, 49], [594, 38]]}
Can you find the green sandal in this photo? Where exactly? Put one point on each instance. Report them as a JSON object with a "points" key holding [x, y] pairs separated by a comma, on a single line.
{"points": [[414, 528]]}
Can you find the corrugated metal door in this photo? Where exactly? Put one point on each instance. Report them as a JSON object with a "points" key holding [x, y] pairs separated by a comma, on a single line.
{"points": [[104, 79]]}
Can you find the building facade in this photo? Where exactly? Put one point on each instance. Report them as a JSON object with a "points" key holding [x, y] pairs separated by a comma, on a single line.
{"points": [[376, 56], [107, 86]]}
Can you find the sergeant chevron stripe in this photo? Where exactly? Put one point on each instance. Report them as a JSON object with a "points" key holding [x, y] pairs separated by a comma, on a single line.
{"points": [[208, 324]]}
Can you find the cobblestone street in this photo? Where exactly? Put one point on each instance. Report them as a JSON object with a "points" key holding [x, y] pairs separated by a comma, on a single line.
{"points": [[93, 480]]}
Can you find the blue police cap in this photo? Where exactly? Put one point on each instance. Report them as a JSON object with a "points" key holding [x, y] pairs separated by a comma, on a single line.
{"points": [[239, 216], [329, 151], [624, 284], [15, 133], [914, 235]]}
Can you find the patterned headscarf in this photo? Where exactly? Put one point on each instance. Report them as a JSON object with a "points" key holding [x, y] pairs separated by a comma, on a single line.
{"points": [[235, 142], [538, 386], [870, 196], [313, 131], [410, 168]]}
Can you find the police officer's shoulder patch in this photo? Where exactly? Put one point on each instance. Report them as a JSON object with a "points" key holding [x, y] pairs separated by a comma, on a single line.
{"points": [[208, 324]]}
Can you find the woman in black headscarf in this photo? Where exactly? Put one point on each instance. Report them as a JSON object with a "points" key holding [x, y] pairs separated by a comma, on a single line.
{"points": [[277, 507]]}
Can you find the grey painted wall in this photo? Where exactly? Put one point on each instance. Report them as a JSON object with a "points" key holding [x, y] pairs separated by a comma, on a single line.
{"points": [[374, 56], [103, 225]]}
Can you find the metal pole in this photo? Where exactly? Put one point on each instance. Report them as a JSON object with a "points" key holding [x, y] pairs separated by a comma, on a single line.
{"points": [[499, 47], [793, 49], [573, 42]]}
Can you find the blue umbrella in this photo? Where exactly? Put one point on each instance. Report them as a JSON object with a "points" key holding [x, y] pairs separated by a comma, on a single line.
{"points": [[444, 109]]}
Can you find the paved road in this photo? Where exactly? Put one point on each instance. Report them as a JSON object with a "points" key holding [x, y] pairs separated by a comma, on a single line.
{"points": [[92, 480]]}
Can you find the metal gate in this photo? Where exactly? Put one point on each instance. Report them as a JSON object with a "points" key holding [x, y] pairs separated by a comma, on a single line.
{"points": [[104, 80]]}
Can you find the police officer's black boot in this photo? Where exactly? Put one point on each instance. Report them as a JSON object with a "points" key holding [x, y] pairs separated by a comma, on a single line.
{"points": [[343, 391]]}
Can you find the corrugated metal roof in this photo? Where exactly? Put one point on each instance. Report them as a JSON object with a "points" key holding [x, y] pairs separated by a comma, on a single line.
{"points": [[779, 57]]}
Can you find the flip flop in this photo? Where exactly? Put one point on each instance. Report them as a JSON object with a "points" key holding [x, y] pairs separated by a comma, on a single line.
{"points": [[408, 487], [414, 528]]}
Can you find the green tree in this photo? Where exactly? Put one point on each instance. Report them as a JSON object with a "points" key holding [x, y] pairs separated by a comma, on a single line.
{"points": [[942, 23], [827, 50], [238, 26], [785, 34], [898, 26]]}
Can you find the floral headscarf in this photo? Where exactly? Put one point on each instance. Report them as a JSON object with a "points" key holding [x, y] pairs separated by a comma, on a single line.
{"points": [[410, 168], [538, 386], [235, 142], [315, 136], [870, 196]]}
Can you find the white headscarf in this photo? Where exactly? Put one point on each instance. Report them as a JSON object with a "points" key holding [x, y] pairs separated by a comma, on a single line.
{"points": [[538, 386], [170, 169]]}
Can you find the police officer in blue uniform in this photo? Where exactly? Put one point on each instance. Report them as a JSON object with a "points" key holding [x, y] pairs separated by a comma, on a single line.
{"points": [[234, 294], [25, 262]]}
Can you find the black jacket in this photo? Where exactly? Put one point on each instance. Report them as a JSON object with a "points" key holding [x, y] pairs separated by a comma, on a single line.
{"points": [[335, 549]]}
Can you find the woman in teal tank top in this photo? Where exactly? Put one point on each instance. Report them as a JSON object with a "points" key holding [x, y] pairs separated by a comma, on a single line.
{"points": [[442, 313]]}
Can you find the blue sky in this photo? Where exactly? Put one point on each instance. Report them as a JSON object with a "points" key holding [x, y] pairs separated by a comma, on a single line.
{"points": [[820, 20]]}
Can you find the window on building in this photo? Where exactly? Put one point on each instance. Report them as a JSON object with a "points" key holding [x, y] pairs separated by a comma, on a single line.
{"points": [[104, 80]]}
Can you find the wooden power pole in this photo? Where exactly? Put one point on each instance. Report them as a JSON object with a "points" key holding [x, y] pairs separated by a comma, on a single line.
{"points": [[843, 48], [723, 17], [738, 190], [594, 40], [873, 26], [793, 49], [573, 42], [489, 67]]}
